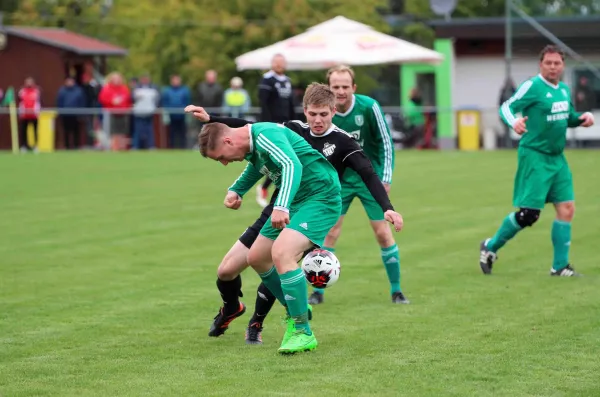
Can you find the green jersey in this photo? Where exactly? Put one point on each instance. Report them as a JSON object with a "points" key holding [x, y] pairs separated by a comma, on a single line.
{"points": [[365, 122], [282, 155], [549, 113]]}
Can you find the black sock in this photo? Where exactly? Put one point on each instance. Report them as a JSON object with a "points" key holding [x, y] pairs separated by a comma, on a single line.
{"points": [[267, 183], [230, 293], [264, 302]]}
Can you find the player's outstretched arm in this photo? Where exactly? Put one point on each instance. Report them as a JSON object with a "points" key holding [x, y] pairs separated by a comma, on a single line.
{"points": [[246, 180], [577, 119], [201, 114], [355, 159]]}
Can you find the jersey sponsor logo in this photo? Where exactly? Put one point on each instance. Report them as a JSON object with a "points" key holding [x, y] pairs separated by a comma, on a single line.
{"points": [[274, 176], [328, 149], [558, 107], [557, 117], [359, 120]]}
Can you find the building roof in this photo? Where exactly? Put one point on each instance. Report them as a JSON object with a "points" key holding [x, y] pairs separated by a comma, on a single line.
{"points": [[66, 40], [493, 28]]}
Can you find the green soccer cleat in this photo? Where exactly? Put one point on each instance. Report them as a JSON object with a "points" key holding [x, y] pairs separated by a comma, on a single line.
{"points": [[299, 341], [291, 325]]}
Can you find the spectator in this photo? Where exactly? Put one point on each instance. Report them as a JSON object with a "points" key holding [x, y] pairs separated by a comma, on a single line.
{"points": [[174, 98], [415, 120], [210, 93], [29, 110], [585, 97], [115, 97], [236, 101], [70, 97], [506, 92], [146, 99], [276, 105]]}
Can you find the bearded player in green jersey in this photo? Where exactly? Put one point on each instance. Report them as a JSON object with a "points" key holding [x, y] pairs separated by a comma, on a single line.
{"points": [[361, 117], [543, 174], [307, 207]]}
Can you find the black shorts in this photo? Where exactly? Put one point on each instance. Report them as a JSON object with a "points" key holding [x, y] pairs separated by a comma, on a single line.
{"points": [[253, 231]]}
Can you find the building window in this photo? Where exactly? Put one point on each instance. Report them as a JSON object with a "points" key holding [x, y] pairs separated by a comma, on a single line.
{"points": [[586, 90]]}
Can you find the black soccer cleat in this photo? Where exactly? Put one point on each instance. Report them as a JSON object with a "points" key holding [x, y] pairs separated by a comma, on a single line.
{"points": [[222, 321], [398, 297], [316, 298], [254, 334], [566, 271], [486, 257]]}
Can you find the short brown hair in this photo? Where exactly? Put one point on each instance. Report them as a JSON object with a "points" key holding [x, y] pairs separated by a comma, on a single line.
{"points": [[209, 137], [340, 69], [318, 94], [552, 49]]}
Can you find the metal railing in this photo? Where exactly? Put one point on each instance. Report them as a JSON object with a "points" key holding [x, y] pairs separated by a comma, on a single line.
{"points": [[98, 127]]}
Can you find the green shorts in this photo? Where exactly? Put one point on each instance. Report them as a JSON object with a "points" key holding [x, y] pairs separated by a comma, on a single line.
{"points": [[542, 178], [352, 190], [313, 218]]}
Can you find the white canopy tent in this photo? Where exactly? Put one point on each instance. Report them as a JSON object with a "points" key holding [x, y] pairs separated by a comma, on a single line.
{"points": [[338, 41]]}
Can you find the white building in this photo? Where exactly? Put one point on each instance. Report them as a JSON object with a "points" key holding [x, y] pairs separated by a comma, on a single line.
{"points": [[480, 69]]}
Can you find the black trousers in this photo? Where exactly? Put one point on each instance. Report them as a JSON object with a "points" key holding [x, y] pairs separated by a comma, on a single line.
{"points": [[71, 130]]}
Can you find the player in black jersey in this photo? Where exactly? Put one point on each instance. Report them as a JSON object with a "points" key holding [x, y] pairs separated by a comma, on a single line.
{"points": [[342, 151]]}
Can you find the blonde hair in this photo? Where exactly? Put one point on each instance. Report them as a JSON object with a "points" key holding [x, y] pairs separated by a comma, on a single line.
{"points": [[209, 136], [318, 94], [340, 69]]}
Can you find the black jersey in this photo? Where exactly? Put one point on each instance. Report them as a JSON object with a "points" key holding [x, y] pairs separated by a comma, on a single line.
{"points": [[276, 98], [338, 147]]}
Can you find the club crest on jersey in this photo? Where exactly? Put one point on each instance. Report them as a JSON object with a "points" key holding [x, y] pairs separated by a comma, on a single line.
{"points": [[359, 120], [563, 91], [328, 149]]}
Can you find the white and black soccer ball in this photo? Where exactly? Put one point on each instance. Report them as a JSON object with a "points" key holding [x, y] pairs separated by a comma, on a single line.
{"points": [[321, 268]]}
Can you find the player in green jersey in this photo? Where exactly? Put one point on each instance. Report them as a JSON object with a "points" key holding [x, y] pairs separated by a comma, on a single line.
{"points": [[361, 117], [307, 207], [543, 174]]}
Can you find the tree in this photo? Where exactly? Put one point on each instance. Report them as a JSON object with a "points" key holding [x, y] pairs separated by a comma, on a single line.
{"points": [[189, 37]]}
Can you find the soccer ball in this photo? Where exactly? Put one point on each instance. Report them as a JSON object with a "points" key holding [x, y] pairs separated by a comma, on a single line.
{"points": [[321, 268]]}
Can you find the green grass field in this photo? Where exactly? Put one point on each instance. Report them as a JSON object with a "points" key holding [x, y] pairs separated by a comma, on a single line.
{"points": [[107, 286]]}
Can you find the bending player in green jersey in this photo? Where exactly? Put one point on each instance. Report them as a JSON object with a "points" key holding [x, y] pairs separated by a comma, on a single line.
{"points": [[361, 117], [543, 174], [306, 208]]}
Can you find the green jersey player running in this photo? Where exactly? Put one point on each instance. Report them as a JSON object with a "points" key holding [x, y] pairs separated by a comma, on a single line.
{"points": [[307, 207], [361, 117], [543, 174]]}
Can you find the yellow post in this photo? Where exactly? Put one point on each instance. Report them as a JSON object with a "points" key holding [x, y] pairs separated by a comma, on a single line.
{"points": [[14, 128], [468, 129]]}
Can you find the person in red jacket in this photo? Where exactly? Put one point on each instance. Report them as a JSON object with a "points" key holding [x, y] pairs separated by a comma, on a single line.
{"points": [[29, 111], [116, 98]]}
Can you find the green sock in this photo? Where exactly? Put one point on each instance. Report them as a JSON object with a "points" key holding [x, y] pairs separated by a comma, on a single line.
{"points": [[273, 282], [294, 288], [322, 290], [507, 230], [391, 260], [561, 240]]}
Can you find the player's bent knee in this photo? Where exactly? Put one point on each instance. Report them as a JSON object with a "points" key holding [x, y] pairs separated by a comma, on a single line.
{"points": [[230, 268], [527, 216], [565, 211]]}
